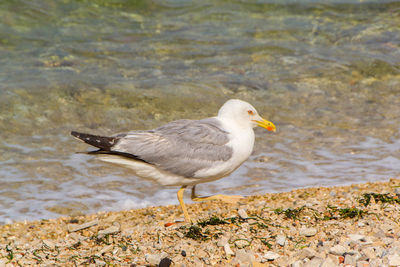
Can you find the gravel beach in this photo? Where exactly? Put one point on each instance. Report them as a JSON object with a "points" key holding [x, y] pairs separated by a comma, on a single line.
{"points": [[357, 225]]}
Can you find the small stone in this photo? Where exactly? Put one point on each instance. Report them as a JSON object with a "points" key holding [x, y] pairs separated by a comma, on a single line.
{"points": [[155, 258], [100, 262], [110, 230], [104, 250], [243, 257], [375, 263], [49, 244], [380, 234], [356, 237], [116, 251], [241, 243], [315, 262], [206, 260], [281, 240], [197, 262], [362, 264], [271, 256], [74, 228], [397, 190], [394, 260], [369, 252], [243, 214], [366, 241], [296, 264], [281, 261], [350, 260], [328, 262], [77, 237], [179, 234], [165, 262], [228, 250], [306, 253], [222, 241], [308, 231], [396, 247], [387, 241], [338, 250]]}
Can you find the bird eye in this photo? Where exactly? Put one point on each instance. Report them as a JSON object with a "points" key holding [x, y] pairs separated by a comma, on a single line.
{"points": [[250, 112]]}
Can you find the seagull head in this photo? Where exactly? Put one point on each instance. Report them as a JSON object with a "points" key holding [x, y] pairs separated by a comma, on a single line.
{"points": [[244, 114]]}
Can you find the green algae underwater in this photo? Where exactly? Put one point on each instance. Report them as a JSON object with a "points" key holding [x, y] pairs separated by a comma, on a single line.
{"points": [[325, 72]]}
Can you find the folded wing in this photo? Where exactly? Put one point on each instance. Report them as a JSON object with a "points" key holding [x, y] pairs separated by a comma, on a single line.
{"points": [[181, 147]]}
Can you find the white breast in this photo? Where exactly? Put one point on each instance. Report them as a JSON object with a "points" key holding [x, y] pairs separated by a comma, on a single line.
{"points": [[241, 142]]}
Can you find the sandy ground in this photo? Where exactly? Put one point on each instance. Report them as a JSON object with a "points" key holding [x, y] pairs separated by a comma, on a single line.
{"points": [[356, 225]]}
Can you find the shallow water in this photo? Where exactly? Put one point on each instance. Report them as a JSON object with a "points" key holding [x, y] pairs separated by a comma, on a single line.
{"points": [[326, 73]]}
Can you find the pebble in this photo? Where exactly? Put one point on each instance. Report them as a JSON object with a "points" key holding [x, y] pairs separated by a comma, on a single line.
{"points": [[366, 241], [155, 258], [49, 244], [356, 237], [104, 250], [306, 253], [243, 257], [350, 260], [308, 231], [376, 263], [228, 250], [165, 262], [397, 190], [179, 234], [394, 260], [270, 256], [281, 240], [314, 262], [338, 250], [362, 264], [296, 264], [241, 243], [369, 252], [243, 214], [110, 230], [100, 262], [328, 262], [387, 241], [74, 228], [222, 241]]}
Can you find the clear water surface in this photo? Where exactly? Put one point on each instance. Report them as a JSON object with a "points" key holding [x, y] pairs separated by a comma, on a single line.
{"points": [[327, 73]]}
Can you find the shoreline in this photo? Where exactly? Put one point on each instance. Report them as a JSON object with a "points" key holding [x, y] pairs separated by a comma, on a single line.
{"points": [[357, 225]]}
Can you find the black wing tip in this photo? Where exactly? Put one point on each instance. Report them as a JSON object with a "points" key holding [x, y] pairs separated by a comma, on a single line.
{"points": [[75, 134], [102, 142], [80, 136]]}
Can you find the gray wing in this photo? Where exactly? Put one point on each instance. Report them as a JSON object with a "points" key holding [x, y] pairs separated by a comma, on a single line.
{"points": [[181, 147]]}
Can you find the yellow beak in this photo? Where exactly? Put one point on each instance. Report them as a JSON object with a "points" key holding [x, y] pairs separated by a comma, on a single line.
{"points": [[266, 124]]}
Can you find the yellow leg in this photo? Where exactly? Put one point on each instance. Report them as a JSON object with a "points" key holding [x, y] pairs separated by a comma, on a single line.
{"points": [[180, 199], [225, 198]]}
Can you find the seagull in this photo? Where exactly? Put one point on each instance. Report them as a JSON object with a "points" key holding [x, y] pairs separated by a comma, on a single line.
{"points": [[185, 152]]}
